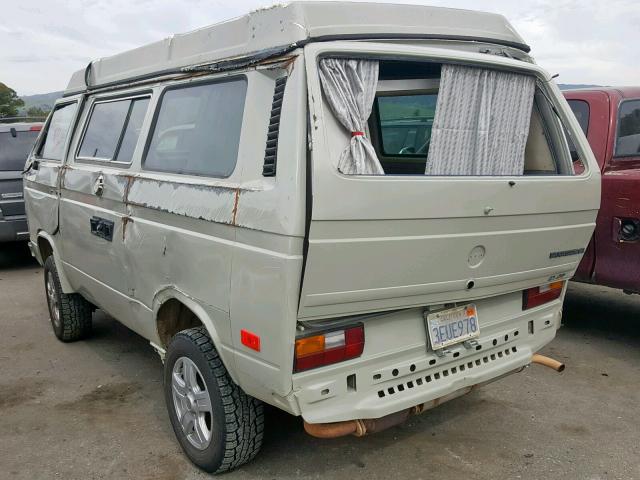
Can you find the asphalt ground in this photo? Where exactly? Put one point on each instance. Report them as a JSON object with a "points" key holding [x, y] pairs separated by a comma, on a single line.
{"points": [[95, 409]]}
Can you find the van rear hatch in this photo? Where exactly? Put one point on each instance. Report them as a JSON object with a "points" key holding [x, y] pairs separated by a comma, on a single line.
{"points": [[383, 242], [15, 144]]}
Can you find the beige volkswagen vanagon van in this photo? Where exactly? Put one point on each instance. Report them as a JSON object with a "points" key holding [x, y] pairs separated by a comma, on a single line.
{"points": [[352, 212]]}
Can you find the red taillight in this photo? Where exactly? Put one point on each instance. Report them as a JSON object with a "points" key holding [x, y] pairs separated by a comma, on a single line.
{"points": [[35, 128], [330, 347], [536, 296]]}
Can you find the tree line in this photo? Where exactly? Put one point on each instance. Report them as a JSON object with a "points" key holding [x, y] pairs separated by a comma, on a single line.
{"points": [[11, 103]]}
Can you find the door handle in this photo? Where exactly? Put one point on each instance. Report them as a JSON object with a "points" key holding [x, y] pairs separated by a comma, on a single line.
{"points": [[101, 227], [98, 187]]}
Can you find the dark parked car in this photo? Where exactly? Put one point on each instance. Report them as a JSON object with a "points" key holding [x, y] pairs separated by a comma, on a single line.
{"points": [[610, 118], [16, 141]]}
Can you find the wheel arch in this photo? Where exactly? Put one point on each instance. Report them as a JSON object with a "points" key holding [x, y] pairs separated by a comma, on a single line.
{"points": [[168, 326], [46, 246]]}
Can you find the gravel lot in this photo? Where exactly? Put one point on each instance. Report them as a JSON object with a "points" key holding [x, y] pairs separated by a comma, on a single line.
{"points": [[95, 409]]}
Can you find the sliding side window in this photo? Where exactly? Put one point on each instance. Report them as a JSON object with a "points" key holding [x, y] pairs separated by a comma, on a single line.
{"points": [[113, 130], [197, 129]]}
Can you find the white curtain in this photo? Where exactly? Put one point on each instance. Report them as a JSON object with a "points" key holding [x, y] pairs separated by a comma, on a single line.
{"points": [[481, 122], [350, 87]]}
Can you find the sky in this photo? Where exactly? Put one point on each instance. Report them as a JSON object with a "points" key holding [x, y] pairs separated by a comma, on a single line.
{"points": [[44, 41]]}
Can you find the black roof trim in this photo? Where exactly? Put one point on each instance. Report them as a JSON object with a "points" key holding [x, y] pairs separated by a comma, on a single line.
{"points": [[257, 57]]}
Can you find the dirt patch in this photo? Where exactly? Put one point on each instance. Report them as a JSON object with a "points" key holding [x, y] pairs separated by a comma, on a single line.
{"points": [[21, 347], [103, 397], [164, 467], [574, 430], [18, 393]]}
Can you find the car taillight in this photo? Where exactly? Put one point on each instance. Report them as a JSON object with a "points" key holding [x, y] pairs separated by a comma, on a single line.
{"points": [[536, 296], [35, 128], [329, 347]]}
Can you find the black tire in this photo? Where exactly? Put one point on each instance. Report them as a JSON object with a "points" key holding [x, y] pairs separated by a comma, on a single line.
{"points": [[236, 419], [73, 321]]}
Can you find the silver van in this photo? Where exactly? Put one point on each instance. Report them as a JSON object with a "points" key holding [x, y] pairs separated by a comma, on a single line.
{"points": [[352, 212]]}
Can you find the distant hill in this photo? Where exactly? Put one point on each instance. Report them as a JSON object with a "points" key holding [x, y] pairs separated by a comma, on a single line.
{"points": [[571, 86], [44, 101]]}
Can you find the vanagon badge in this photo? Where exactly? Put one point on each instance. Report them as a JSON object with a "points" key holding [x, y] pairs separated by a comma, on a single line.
{"points": [[566, 253]]}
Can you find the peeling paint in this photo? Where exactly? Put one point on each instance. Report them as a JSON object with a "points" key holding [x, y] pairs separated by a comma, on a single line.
{"points": [[125, 221], [235, 206], [212, 203]]}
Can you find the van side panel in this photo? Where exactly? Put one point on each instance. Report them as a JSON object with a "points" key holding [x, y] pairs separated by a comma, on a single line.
{"points": [[169, 250], [233, 246], [179, 238], [94, 191], [267, 261], [41, 198]]}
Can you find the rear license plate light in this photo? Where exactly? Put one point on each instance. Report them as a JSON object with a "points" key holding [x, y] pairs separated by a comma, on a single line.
{"points": [[536, 296], [327, 348]]}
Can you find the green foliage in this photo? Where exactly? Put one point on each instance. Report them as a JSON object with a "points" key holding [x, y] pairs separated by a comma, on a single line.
{"points": [[406, 107], [9, 101], [37, 112]]}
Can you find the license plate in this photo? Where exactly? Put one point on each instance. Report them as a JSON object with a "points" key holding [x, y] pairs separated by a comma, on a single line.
{"points": [[453, 325]]}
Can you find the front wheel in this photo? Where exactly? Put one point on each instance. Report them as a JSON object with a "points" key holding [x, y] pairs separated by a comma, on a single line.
{"points": [[218, 425], [70, 314]]}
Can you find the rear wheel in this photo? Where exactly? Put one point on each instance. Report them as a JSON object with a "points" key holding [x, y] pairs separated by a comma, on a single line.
{"points": [[218, 425], [70, 314]]}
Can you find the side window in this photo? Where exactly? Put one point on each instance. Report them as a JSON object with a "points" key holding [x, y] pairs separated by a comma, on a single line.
{"points": [[113, 129], [57, 132], [197, 129], [580, 109], [132, 130], [628, 138]]}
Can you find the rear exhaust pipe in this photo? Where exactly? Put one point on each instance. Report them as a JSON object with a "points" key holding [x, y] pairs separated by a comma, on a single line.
{"points": [[547, 362], [365, 426], [334, 429]]}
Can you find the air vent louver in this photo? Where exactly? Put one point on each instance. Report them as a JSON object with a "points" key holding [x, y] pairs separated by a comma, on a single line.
{"points": [[271, 151]]}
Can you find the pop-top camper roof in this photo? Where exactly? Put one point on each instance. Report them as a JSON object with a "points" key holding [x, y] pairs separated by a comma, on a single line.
{"points": [[279, 28]]}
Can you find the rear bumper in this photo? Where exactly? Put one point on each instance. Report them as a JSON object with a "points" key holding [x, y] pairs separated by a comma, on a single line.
{"points": [[14, 228], [400, 380]]}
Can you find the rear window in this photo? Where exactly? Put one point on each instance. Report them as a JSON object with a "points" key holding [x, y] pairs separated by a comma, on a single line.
{"points": [[628, 141], [401, 126], [580, 109], [197, 130], [55, 137], [113, 130], [14, 150]]}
